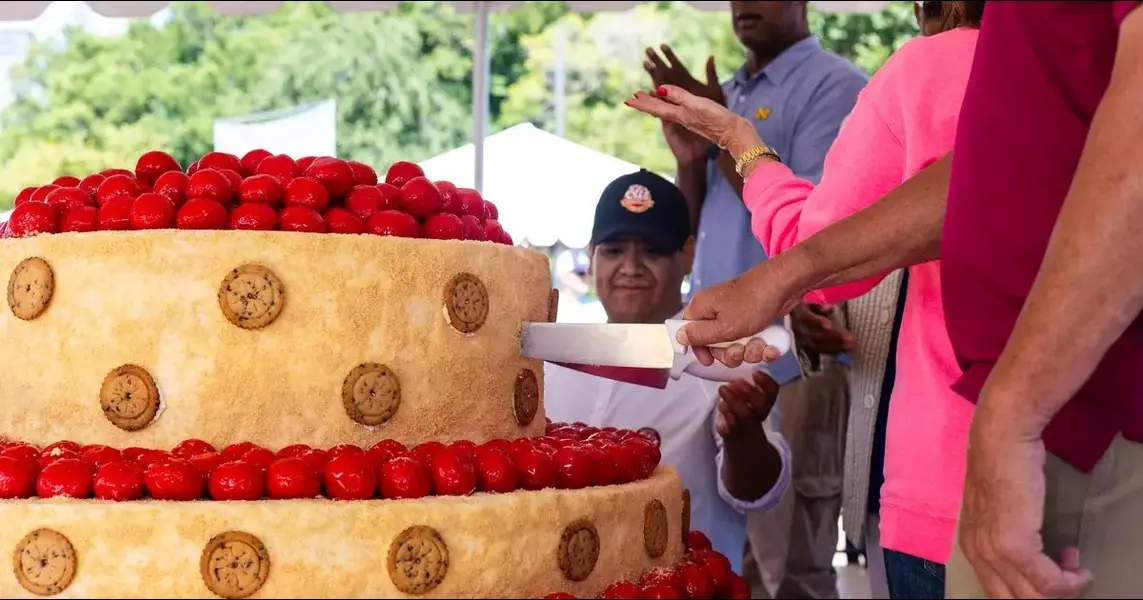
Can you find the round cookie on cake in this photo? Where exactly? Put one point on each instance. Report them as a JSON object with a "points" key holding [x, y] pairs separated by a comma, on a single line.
{"points": [[203, 397]]}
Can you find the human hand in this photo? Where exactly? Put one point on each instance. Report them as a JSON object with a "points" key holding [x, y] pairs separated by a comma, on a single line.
{"points": [[814, 327], [744, 405], [701, 116], [739, 308], [669, 70], [687, 147], [1003, 511]]}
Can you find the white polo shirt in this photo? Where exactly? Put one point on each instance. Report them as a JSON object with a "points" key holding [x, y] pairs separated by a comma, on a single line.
{"points": [[683, 415]]}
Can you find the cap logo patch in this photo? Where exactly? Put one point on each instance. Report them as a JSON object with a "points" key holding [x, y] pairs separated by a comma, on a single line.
{"points": [[637, 199]]}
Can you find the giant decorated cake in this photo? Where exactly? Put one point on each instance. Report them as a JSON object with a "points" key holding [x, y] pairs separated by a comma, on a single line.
{"points": [[262, 377]]}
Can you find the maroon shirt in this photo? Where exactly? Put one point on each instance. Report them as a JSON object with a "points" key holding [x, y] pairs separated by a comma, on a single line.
{"points": [[1038, 75]]}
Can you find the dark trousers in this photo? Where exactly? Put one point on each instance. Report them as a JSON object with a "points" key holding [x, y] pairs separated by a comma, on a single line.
{"points": [[913, 578]]}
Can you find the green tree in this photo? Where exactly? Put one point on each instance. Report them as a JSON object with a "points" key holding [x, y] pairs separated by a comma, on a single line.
{"points": [[603, 63], [867, 40], [402, 81]]}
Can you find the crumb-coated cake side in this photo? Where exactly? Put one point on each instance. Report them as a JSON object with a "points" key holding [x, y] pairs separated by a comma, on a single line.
{"points": [[521, 545], [151, 337]]}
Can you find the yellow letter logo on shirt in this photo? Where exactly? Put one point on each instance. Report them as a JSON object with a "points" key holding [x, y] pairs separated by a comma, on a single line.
{"points": [[762, 114]]}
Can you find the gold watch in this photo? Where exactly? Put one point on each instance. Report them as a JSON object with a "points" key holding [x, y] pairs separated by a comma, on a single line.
{"points": [[752, 156]]}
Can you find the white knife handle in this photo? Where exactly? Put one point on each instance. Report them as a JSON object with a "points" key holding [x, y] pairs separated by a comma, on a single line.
{"points": [[775, 336], [719, 372]]}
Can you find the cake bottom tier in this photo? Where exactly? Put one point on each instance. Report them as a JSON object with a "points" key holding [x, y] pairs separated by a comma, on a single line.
{"points": [[522, 544]]}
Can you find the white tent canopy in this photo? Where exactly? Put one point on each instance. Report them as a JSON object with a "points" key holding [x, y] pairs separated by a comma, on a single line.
{"points": [[545, 186]]}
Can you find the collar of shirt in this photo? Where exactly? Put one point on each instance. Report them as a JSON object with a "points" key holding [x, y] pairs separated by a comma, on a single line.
{"points": [[783, 65]]}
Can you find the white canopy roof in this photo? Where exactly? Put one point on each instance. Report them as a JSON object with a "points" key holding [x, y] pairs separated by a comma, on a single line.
{"points": [[545, 186], [30, 9]]}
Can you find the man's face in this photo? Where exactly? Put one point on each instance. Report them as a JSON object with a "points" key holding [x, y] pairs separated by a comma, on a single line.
{"points": [[761, 23], [637, 282]]}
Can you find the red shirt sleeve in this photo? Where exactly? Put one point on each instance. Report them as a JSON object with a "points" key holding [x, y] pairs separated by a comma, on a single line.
{"points": [[1120, 10]]}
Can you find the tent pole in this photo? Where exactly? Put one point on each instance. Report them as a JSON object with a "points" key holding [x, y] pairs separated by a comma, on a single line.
{"points": [[482, 67]]}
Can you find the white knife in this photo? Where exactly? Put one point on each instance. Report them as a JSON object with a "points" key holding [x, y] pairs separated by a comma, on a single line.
{"points": [[624, 351]]}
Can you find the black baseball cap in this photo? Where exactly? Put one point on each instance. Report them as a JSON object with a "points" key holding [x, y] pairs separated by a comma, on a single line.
{"points": [[644, 205]]}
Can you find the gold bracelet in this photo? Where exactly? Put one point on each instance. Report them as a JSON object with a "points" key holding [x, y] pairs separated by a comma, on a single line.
{"points": [[752, 156]]}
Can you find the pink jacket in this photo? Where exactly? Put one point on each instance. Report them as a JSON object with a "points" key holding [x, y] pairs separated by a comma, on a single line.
{"points": [[904, 120]]}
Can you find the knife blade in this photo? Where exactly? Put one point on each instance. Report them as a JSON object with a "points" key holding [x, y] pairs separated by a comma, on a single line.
{"points": [[644, 354]]}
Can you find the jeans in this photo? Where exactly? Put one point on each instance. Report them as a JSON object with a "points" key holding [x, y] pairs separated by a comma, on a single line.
{"points": [[912, 577]]}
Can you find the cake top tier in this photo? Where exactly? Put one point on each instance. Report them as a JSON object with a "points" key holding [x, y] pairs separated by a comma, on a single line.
{"points": [[259, 191], [136, 338]]}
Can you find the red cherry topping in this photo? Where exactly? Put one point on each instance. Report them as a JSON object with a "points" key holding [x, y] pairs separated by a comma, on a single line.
{"points": [[253, 217], [401, 171], [120, 480], [236, 480], [301, 218], [202, 213], [292, 478], [394, 223]]}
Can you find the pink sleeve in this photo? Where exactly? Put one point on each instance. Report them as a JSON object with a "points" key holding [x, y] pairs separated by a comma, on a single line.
{"points": [[865, 162]]}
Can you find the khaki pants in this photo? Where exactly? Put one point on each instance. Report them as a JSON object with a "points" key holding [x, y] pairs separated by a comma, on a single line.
{"points": [[1100, 513], [790, 549]]}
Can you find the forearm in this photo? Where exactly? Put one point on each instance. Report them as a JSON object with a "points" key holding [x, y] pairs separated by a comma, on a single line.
{"points": [[751, 465], [690, 178], [726, 167], [900, 230], [1090, 284]]}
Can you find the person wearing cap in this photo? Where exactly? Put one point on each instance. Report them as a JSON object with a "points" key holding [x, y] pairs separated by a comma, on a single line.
{"points": [[722, 440]]}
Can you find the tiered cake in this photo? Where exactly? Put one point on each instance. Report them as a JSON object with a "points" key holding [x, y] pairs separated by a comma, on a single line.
{"points": [[203, 395]]}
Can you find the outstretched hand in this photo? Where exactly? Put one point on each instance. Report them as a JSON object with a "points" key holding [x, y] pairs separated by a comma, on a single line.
{"points": [[744, 405], [701, 116]]}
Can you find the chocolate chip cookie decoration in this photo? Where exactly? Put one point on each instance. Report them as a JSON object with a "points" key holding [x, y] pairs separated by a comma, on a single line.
{"points": [[655, 531], [526, 399], [251, 296], [44, 562], [30, 288], [371, 394], [418, 560], [234, 564], [553, 305], [579, 550], [129, 397], [466, 302]]}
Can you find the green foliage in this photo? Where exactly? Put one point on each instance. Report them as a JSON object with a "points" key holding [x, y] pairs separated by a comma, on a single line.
{"points": [[401, 79], [603, 61]]}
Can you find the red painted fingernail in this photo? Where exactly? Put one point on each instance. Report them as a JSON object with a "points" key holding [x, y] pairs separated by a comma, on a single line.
{"points": [[661, 91]]}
